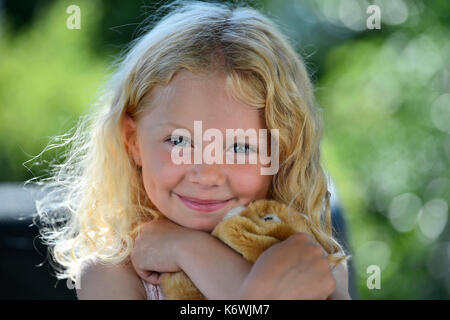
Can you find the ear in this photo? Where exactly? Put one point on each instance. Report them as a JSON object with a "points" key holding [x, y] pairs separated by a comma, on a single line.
{"points": [[129, 136]]}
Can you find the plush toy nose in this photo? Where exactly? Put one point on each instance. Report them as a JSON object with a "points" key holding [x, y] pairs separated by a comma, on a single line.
{"points": [[233, 212]]}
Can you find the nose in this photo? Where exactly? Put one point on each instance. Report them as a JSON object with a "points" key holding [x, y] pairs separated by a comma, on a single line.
{"points": [[207, 174]]}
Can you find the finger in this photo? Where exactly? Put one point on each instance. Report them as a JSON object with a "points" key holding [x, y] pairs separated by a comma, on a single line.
{"points": [[313, 241], [301, 238], [143, 274], [154, 278]]}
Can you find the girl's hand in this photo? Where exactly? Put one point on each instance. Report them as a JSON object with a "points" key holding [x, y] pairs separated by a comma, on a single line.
{"points": [[293, 269], [155, 251]]}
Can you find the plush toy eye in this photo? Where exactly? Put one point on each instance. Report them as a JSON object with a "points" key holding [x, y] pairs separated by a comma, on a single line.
{"points": [[271, 217]]}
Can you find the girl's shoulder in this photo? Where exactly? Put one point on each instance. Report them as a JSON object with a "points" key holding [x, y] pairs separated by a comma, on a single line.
{"points": [[99, 281], [340, 274]]}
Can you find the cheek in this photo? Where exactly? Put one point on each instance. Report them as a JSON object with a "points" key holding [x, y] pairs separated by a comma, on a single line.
{"points": [[158, 170], [248, 182]]}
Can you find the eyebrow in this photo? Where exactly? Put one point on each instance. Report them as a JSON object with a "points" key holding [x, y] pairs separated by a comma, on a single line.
{"points": [[175, 125], [172, 124]]}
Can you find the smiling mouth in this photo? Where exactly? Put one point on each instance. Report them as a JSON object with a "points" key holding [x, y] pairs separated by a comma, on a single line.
{"points": [[203, 205]]}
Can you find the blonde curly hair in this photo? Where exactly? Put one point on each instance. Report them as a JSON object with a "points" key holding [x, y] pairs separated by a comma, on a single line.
{"points": [[95, 200]]}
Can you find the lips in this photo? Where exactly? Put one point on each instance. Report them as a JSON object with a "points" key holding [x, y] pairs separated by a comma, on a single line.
{"points": [[204, 201], [203, 205]]}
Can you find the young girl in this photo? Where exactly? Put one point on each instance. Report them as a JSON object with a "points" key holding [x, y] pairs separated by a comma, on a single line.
{"points": [[228, 67]]}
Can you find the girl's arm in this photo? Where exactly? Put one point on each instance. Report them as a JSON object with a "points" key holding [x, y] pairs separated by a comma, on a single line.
{"points": [[295, 268], [217, 270], [292, 269]]}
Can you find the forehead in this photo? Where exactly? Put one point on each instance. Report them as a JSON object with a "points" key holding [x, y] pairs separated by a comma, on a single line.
{"points": [[191, 97]]}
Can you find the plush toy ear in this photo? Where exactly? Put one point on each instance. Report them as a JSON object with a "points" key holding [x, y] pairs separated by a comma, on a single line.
{"points": [[233, 212]]}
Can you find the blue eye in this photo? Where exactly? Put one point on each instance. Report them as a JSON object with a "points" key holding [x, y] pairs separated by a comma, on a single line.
{"points": [[177, 140], [246, 147]]}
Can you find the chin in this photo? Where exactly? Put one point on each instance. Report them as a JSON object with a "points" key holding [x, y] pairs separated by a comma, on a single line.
{"points": [[206, 227]]}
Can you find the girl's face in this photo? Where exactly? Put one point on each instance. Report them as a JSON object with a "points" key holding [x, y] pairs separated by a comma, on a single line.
{"points": [[187, 98]]}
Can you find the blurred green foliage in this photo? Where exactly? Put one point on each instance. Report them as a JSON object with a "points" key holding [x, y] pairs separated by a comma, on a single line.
{"points": [[385, 95], [387, 108], [48, 77]]}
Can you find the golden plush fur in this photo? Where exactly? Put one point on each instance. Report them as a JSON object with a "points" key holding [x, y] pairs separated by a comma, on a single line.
{"points": [[248, 230]]}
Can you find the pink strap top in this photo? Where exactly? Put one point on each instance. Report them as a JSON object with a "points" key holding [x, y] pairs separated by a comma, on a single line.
{"points": [[154, 292]]}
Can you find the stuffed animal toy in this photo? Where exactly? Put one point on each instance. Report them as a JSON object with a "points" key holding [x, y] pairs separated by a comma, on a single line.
{"points": [[248, 230]]}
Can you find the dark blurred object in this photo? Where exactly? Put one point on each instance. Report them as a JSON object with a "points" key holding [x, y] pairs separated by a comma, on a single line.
{"points": [[341, 233], [119, 20], [21, 251]]}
